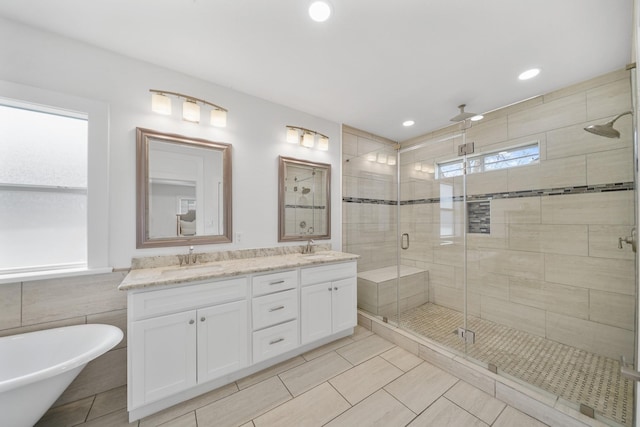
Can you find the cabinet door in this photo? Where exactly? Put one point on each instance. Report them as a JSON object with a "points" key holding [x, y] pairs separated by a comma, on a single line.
{"points": [[163, 356], [223, 336], [315, 312], [344, 302]]}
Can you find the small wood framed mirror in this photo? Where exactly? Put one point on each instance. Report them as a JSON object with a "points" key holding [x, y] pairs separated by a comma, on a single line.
{"points": [[304, 200]]}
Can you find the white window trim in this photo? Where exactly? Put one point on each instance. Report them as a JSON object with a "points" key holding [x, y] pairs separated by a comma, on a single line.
{"points": [[97, 180]]}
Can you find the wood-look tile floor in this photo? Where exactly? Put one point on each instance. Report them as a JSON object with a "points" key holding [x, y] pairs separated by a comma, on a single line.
{"points": [[362, 380]]}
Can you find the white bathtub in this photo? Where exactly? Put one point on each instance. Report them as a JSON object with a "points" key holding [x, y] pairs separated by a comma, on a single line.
{"points": [[36, 367]]}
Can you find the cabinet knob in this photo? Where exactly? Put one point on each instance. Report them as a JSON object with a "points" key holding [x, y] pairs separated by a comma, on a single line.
{"points": [[335, 288], [191, 322], [202, 319], [329, 288]]}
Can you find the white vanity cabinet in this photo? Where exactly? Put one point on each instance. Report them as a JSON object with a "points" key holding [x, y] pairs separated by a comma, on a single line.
{"points": [[188, 338], [184, 336], [327, 300]]}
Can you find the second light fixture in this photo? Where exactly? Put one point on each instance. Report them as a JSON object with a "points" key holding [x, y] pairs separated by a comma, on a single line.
{"points": [[307, 138]]}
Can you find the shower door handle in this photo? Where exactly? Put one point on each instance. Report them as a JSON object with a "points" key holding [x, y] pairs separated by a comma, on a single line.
{"points": [[402, 243]]}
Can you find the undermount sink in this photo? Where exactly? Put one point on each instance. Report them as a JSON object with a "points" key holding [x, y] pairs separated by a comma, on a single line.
{"points": [[318, 256], [193, 268]]}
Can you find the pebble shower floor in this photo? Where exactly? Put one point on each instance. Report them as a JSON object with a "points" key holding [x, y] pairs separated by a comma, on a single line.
{"points": [[570, 373]]}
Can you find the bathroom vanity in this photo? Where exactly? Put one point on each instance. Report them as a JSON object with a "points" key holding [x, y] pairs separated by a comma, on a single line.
{"points": [[197, 327]]}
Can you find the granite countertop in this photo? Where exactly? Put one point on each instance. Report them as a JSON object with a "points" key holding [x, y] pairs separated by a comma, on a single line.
{"points": [[171, 275]]}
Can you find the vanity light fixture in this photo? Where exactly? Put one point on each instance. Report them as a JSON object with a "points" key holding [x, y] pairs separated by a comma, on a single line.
{"points": [[307, 138], [161, 103]]}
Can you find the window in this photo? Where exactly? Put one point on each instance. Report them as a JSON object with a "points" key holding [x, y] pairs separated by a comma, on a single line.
{"points": [[518, 156], [43, 188], [53, 184]]}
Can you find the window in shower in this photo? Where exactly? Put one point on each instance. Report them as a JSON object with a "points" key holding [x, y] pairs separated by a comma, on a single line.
{"points": [[508, 158]]}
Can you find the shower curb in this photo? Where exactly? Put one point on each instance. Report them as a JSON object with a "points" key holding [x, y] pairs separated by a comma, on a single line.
{"points": [[543, 406]]}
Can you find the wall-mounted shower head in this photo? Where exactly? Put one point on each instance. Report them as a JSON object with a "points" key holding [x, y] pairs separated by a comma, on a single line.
{"points": [[462, 115], [607, 129]]}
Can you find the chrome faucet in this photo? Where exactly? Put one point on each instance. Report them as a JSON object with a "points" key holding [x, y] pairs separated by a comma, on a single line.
{"points": [[191, 258], [309, 248]]}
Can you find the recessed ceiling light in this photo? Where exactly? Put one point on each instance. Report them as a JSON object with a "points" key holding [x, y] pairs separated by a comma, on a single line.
{"points": [[477, 118], [408, 123], [529, 74], [319, 11]]}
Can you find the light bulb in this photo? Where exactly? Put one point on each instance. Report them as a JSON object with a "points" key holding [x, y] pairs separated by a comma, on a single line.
{"points": [[529, 74], [191, 111], [307, 140], [418, 166], [382, 157], [323, 143], [319, 11], [292, 136], [391, 161], [218, 118], [372, 157], [160, 103]]}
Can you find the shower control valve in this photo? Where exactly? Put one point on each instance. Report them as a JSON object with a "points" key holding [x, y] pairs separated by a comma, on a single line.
{"points": [[630, 240]]}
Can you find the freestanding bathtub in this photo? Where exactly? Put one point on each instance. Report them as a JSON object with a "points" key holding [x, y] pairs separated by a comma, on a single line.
{"points": [[36, 367]]}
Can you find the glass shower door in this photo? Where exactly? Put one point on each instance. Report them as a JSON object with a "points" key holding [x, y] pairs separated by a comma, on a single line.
{"points": [[432, 214]]}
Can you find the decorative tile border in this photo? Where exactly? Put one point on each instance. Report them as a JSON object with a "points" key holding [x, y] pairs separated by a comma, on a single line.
{"points": [[582, 189], [303, 207]]}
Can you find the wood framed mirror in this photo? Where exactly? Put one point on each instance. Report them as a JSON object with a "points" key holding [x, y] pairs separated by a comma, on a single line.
{"points": [[304, 200], [183, 190]]}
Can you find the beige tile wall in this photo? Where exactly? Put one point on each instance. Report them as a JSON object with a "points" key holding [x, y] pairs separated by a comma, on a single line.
{"points": [[44, 304], [369, 230], [551, 265]]}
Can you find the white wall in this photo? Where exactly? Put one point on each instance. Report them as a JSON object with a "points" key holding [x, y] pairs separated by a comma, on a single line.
{"points": [[256, 129]]}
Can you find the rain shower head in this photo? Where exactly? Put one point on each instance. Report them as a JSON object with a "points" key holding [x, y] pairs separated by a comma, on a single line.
{"points": [[463, 115], [607, 130]]}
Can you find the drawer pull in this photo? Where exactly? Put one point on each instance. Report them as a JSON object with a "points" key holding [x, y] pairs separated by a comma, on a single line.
{"points": [[277, 282], [280, 307], [276, 341]]}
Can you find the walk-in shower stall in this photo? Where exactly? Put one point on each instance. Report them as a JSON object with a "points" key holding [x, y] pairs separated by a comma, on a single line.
{"points": [[508, 240]]}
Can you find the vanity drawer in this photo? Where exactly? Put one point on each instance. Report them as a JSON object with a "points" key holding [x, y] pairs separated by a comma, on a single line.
{"points": [[274, 282], [275, 340], [155, 303], [275, 308], [328, 273]]}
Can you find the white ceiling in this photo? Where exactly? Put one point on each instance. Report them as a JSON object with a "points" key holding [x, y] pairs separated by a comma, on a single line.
{"points": [[374, 64]]}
